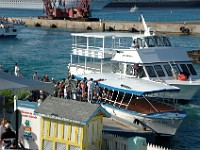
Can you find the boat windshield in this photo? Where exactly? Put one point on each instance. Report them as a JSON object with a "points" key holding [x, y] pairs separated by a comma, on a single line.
{"points": [[158, 41], [153, 41], [166, 41]]}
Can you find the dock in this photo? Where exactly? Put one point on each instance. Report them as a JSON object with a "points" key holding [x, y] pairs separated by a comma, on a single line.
{"points": [[130, 26], [113, 124]]}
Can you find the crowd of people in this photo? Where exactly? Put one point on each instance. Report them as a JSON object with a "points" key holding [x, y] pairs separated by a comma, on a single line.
{"points": [[84, 90], [87, 90]]}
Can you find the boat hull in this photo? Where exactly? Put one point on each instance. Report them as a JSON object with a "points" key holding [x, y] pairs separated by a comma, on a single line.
{"points": [[188, 92], [155, 4], [10, 32], [158, 122]]}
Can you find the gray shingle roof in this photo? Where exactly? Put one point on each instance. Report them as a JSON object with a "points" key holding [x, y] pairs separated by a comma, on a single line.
{"points": [[69, 110]]}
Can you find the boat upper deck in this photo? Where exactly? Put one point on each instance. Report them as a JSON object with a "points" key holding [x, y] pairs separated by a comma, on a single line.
{"points": [[120, 47]]}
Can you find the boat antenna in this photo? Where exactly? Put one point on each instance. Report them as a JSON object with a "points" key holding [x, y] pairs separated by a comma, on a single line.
{"points": [[147, 30]]}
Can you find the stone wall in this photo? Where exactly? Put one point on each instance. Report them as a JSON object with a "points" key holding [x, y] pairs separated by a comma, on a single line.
{"points": [[161, 27]]}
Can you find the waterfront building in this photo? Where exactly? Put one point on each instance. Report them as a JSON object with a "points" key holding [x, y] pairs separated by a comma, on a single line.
{"points": [[68, 124]]}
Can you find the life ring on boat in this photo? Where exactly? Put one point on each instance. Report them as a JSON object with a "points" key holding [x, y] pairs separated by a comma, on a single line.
{"points": [[182, 77]]}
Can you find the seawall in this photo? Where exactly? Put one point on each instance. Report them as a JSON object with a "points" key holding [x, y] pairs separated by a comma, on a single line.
{"points": [[161, 27]]}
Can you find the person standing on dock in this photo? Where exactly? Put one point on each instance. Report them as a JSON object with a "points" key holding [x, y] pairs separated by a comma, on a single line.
{"points": [[16, 70], [7, 136], [61, 88], [35, 76], [83, 87], [2, 127], [90, 89]]}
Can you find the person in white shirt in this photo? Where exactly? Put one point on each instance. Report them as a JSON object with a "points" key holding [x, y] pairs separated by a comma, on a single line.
{"points": [[65, 92], [35, 76], [16, 69], [2, 127], [90, 85]]}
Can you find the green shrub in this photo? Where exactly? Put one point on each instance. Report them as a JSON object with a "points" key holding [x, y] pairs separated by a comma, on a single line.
{"points": [[23, 95], [9, 97], [8, 94]]}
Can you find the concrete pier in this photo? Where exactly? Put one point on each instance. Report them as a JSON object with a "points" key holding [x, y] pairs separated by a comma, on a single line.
{"points": [[161, 27]]}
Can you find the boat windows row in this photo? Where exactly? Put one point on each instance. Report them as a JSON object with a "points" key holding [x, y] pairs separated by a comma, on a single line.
{"points": [[159, 70]]}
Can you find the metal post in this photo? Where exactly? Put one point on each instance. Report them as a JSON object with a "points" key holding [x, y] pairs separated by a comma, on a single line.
{"points": [[101, 65], [17, 112], [16, 119], [85, 63]]}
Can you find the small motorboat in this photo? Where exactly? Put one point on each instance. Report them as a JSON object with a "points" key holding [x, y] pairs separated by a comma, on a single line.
{"points": [[10, 27], [134, 9]]}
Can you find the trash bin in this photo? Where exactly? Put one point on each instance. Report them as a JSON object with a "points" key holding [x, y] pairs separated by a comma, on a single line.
{"points": [[137, 143]]}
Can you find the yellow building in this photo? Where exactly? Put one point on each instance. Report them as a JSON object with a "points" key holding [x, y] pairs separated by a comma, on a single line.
{"points": [[70, 125]]}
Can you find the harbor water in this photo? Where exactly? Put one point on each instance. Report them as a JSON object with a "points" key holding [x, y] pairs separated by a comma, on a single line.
{"points": [[47, 51]]}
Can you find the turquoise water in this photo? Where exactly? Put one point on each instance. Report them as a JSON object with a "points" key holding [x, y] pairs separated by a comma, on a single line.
{"points": [[163, 15], [47, 51]]}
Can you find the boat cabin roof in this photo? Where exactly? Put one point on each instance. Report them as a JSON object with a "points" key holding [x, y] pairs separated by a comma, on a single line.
{"points": [[107, 34], [153, 55], [124, 84]]}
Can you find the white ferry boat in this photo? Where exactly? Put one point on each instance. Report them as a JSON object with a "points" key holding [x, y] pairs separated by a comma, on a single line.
{"points": [[10, 27], [130, 100], [125, 97], [157, 59], [38, 4], [108, 57]]}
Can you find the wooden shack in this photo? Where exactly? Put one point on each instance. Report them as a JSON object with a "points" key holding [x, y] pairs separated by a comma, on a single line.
{"points": [[70, 125]]}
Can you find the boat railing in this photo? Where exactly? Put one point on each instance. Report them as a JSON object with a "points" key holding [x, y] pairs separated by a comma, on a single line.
{"points": [[131, 49], [91, 51], [150, 104], [139, 104], [82, 69], [119, 104]]}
